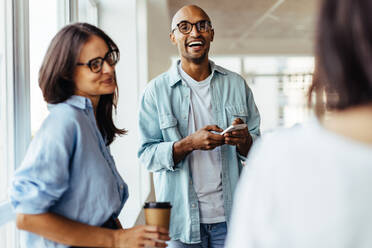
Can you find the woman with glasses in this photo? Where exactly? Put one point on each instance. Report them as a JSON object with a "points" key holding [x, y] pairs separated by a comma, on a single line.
{"points": [[68, 192], [311, 186]]}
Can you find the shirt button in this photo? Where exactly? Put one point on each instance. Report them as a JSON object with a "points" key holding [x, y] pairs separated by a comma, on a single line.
{"points": [[121, 186], [193, 205]]}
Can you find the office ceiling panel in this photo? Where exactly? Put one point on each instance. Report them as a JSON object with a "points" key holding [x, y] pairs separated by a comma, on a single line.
{"points": [[259, 26]]}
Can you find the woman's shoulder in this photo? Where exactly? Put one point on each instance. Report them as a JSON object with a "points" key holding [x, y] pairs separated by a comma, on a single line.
{"points": [[294, 136], [63, 117]]}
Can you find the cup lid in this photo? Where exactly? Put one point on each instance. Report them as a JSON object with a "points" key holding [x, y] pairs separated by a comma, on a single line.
{"points": [[157, 205]]}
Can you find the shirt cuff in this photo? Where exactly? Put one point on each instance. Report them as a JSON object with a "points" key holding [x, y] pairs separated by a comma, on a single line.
{"points": [[165, 158]]}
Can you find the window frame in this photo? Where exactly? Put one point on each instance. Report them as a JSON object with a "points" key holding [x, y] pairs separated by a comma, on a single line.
{"points": [[15, 92], [7, 101]]}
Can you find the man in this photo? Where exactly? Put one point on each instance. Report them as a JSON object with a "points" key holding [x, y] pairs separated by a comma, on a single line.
{"points": [[181, 114]]}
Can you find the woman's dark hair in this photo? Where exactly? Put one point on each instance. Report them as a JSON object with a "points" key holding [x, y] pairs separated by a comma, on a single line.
{"points": [[343, 55], [57, 70]]}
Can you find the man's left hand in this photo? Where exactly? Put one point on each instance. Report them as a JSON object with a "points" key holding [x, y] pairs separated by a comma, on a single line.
{"points": [[239, 138]]}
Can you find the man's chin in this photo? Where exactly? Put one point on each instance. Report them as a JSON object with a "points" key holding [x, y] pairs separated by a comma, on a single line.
{"points": [[197, 59]]}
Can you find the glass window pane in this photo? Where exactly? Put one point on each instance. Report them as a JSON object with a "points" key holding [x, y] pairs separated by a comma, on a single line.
{"points": [[7, 235], [280, 84], [41, 33], [3, 167], [231, 63], [88, 11]]}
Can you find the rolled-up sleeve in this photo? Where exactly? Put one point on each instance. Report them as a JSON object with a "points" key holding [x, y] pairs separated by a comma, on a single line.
{"points": [[44, 173], [154, 153], [254, 118]]}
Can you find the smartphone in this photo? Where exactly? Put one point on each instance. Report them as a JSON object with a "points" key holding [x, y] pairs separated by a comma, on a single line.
{"points": [[234, 128]]}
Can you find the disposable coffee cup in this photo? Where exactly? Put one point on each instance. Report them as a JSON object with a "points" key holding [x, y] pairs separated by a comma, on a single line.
{"points": [[158, 213]]}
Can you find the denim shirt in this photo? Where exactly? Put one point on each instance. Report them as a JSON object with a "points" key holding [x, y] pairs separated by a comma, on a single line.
{"points": [[163, 120], [68, 170]]}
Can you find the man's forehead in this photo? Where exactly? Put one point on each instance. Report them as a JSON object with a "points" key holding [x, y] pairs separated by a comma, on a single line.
{"points": [[189, 13]]}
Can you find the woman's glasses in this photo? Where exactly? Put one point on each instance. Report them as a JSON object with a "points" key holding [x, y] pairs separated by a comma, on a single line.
{"points": [[95, 65]]}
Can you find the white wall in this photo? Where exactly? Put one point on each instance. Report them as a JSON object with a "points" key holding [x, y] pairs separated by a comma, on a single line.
{"points": [[119, 20], [160, 49], [141, 30]]}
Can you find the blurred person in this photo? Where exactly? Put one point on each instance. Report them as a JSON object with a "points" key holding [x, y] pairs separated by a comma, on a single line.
{"points": [[311, 186], [67, 191], [181, 113]]}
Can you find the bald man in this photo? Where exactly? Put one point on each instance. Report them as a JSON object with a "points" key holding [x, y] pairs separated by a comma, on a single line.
{"points": [[181, 116]]}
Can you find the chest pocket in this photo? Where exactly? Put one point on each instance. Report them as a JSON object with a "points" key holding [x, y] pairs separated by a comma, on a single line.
{"points": [[168, 126], [236, 111]]}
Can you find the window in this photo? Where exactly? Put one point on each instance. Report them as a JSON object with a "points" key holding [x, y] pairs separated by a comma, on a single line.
{"points": [[15, 88], [279, 85], [4, 99], [3, 167], [41, 33], [7, 234], [7, 231], [88, 11]]}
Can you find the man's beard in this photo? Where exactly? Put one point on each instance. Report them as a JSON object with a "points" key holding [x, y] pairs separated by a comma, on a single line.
{"points": [[198, 60]]}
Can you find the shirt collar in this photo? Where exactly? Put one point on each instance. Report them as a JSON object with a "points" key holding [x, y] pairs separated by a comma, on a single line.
{"points": [[175, 77], [79, 102]]}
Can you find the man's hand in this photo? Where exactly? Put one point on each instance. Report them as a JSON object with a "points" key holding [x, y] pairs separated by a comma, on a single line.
{"points": [[204, 139], [239, 138]]}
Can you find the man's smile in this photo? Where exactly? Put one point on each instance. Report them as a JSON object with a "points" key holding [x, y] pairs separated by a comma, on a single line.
{"points": [[195, 45]]}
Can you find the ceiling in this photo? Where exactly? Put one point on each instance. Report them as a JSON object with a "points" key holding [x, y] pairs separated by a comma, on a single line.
{"points": [[258, 26]]}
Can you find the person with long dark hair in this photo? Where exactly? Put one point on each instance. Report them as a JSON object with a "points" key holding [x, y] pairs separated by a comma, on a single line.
{"points": [[311, 186], [67, 191]]}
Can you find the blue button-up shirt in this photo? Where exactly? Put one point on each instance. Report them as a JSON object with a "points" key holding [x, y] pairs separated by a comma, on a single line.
{"points": [[68, 170], [163, 120]]}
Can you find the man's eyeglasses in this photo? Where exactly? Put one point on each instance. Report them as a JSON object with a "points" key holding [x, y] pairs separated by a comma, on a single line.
{"points": [[185, 27], [95, 65]]}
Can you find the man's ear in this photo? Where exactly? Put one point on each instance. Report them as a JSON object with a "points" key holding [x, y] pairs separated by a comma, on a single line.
{"points": [[212, 34], [172, 38]]}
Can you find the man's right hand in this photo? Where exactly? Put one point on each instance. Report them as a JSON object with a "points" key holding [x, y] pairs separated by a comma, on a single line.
{"points": [[204, 139]]}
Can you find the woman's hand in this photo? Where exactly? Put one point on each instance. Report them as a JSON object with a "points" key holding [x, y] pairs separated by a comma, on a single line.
{"points": [[72, 233], [141, 236]]}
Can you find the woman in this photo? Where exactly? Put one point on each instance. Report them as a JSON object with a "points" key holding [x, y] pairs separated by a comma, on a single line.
{"points": [[312, 186], [67, 191]]}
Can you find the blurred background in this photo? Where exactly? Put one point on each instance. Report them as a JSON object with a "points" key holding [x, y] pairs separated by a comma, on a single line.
{"points": [[268, 42]]}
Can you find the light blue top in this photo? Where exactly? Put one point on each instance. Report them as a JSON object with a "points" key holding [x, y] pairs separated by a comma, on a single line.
{"points": [[163, 120], [68, 170]]}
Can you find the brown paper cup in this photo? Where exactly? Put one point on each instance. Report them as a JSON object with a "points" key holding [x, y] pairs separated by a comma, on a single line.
{"points": [[158, 213]]}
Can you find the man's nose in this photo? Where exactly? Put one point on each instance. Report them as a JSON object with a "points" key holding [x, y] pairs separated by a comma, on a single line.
{"points": [[194, 31]]}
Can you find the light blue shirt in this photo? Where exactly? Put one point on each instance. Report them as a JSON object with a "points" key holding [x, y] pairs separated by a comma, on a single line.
{"points": [[163, 120], [68, 170]]}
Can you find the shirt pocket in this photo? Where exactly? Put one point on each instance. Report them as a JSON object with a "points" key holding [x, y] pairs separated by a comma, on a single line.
{"points": [[168, 126], [236, 111]]}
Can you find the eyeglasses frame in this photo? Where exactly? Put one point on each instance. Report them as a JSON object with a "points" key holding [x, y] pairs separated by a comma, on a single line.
{"points": [[103, 60], [192, 26]]}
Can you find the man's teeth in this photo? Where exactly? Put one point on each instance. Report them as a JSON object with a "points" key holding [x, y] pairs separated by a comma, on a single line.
{"points": [[195, 43]]}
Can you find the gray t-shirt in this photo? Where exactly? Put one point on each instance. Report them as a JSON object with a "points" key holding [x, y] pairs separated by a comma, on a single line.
{"points": [[205, 165]]}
